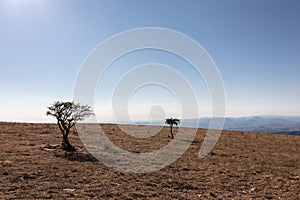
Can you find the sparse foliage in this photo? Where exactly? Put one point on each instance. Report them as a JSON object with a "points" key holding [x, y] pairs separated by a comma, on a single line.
{"points": [[171, 122], [67, 115]]}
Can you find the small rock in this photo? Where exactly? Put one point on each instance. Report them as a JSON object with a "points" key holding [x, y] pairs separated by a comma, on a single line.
{"points": [[137, 151], [294, 178], [28, 176], [69, 190], [213, 194], [7, 163], [268, 196]]}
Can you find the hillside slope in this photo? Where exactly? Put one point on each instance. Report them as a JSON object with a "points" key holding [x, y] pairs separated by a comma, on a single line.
{"points": [[241, 166]]}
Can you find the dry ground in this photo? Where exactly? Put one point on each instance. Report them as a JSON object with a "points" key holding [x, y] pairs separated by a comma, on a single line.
{"points": [[241, 166]]}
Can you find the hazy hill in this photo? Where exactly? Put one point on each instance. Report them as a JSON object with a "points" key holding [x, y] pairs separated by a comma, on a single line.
{"points": [[268, 124]]}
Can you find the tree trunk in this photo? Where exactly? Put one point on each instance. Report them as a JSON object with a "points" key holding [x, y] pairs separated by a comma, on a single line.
{"points": [[172, 132], [67, 145]]}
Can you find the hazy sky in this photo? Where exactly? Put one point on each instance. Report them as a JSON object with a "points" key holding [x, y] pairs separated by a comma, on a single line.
{"points": [[255, 44]]}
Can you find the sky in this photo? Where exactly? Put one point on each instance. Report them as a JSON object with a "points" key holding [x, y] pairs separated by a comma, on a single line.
{"points": [[254, 44]]}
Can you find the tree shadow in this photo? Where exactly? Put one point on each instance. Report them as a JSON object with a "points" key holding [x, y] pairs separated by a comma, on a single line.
{"points": [[195, 141], [77, 156]]}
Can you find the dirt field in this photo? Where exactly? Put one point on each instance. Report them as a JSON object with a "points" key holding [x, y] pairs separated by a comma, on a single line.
{"points": [[241, 166]]}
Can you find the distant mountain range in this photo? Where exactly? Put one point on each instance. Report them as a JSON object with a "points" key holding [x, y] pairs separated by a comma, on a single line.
{"points": [[267, 124]]}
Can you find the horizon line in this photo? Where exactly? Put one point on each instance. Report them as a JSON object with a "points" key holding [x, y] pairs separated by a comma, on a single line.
{"points": [[141, 120]]}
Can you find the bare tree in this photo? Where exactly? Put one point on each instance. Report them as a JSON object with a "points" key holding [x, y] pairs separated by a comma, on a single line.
{"points": [[67, 115], [171, 122]]}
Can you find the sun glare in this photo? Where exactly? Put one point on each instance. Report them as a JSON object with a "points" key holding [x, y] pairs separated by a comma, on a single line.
{"points": [[16, 9], [16, 6], [18, 3]]}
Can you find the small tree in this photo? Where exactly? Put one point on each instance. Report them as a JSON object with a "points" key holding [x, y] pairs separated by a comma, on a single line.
{"points": [[67, 114], [171, 122]]}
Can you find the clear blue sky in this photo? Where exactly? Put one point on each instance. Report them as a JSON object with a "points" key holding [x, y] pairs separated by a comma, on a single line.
{"points": [[255, 44]]}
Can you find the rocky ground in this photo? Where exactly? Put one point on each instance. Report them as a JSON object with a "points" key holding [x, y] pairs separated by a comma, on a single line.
{"points": [[242, 165]]}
